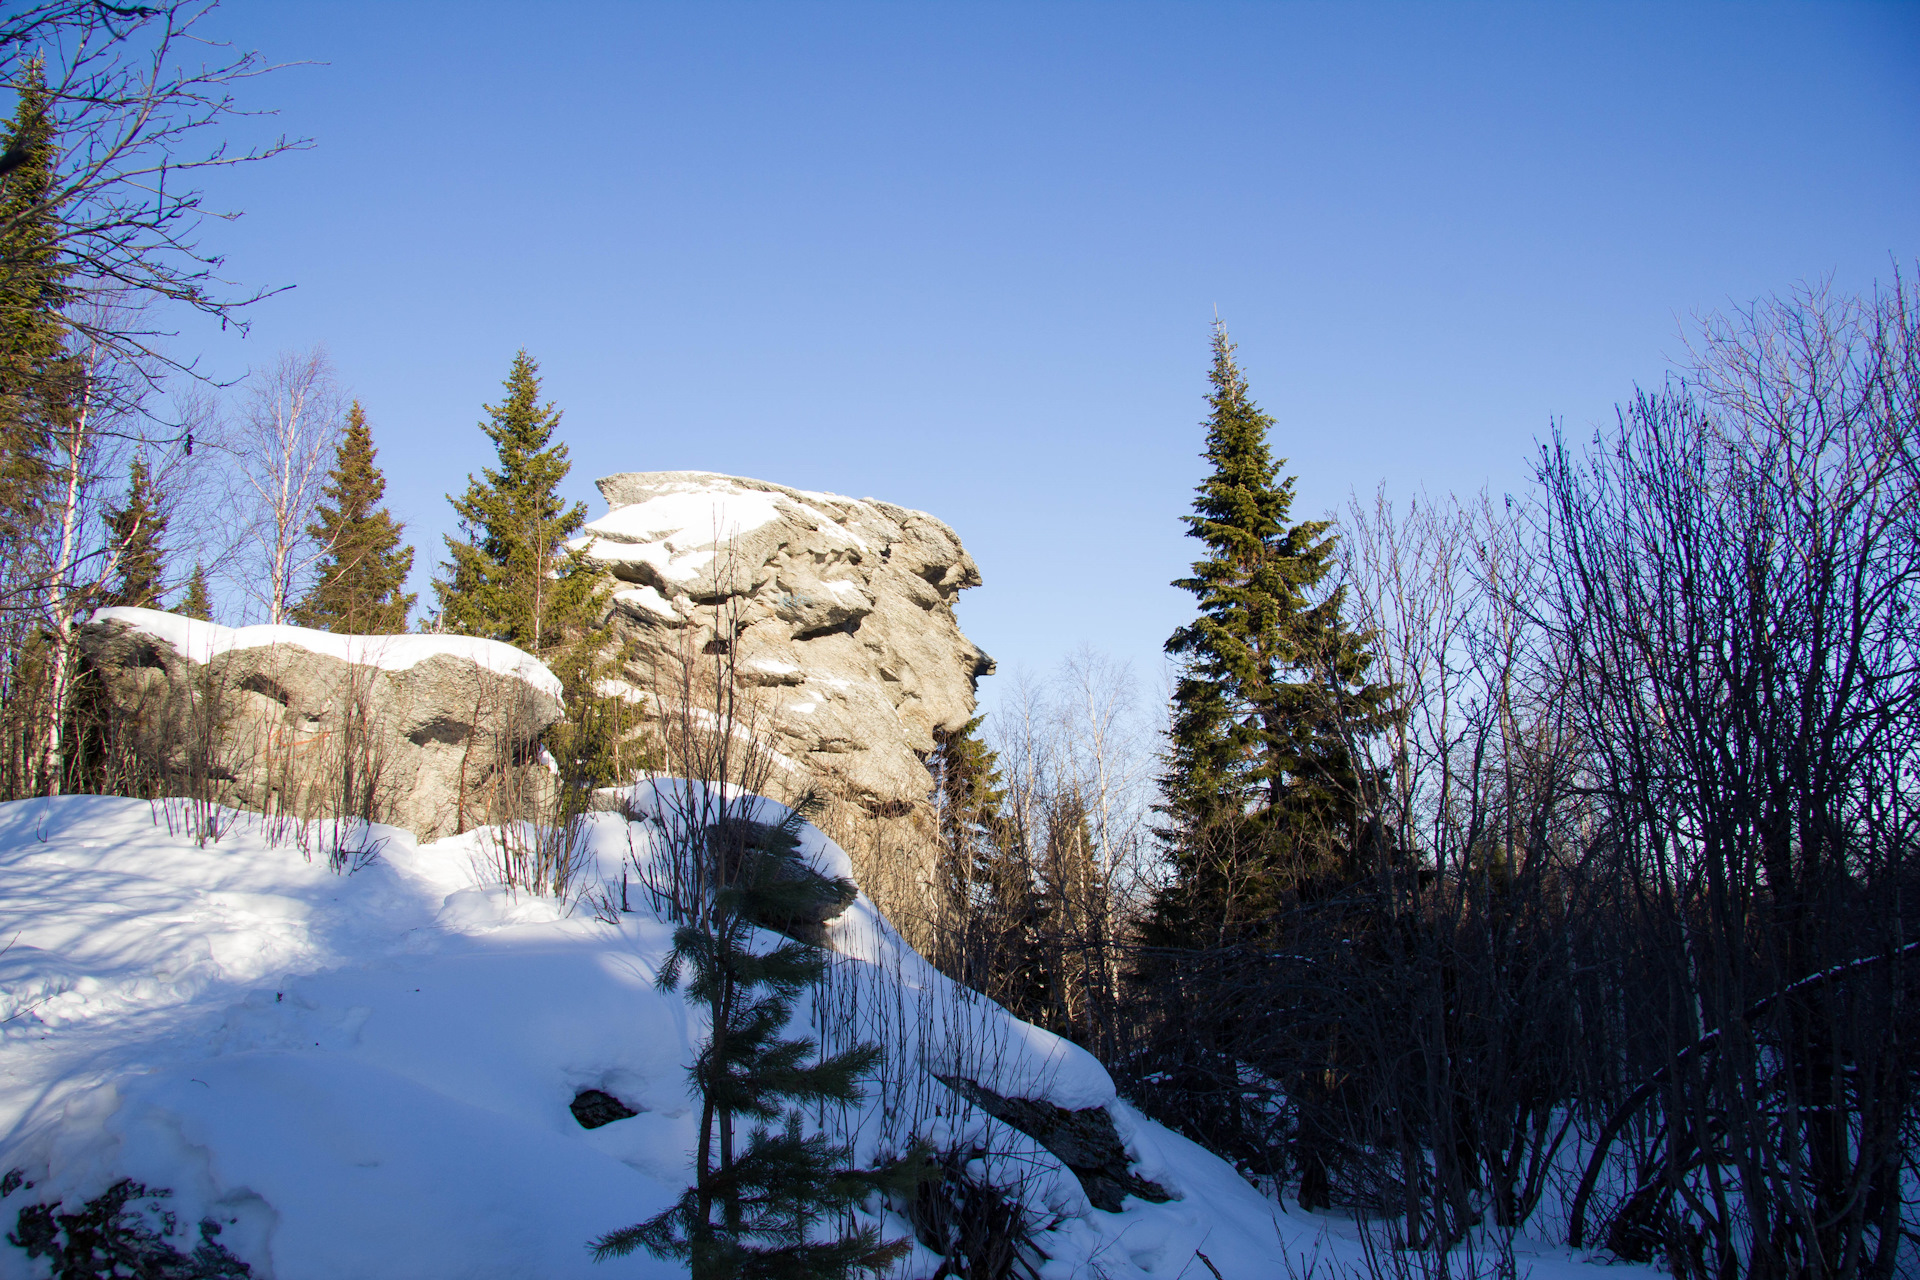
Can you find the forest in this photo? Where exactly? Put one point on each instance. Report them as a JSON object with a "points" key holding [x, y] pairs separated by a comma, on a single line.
{"points": [[1540, 859]]}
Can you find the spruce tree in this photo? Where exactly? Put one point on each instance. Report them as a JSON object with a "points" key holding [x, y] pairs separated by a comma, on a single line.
{"points": [[1261, 786], [997, 911], [971, 789], [512, 577], [197, 602], [756, 1209], [35, 369], [136, 527], [361, 587]]}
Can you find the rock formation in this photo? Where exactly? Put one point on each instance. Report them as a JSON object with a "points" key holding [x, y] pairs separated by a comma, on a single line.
{"points": [[431, 733], [840, 609]]}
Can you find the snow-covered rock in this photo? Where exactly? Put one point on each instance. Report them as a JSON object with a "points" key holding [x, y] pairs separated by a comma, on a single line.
{"points": [[203, 641], [274, 715], [844, 608]]}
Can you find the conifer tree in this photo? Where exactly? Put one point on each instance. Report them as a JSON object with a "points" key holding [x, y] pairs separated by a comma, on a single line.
{"points": [[996, 908], [971, 789], [361, 585], [756, 1209], [35, 369], [1271, 690], [197, 602], [512, 576], [136, 527]]}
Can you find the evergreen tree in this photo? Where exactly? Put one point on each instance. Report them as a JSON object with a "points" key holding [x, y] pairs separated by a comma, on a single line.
{"points": [[997, 912], [136, 527], [1261, 785], [971, 789], [755, 1210], [361, 585], [198, 601], [35, 369], [512, 577]]}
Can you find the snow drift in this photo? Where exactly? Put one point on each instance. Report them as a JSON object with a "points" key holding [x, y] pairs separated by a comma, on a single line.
{"points": [[370, 1075]]}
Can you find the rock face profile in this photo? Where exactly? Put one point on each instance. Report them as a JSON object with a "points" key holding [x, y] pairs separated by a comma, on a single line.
{"points": [[432, 733], [839, 609]]}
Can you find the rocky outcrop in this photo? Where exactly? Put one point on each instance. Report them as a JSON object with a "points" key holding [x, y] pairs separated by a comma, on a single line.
{"points": [[1085, 1141], [431, 733], [839, 610]]}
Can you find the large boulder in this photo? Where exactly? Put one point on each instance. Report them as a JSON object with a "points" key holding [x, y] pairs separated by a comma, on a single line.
{"points": [[431, 733], [839, 609]]}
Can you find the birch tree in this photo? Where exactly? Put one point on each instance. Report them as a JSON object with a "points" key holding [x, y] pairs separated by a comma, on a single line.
{"points": [[286, 437]]}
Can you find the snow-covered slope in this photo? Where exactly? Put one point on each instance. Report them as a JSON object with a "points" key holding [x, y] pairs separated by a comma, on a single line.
{"points": [[369, 1075]]}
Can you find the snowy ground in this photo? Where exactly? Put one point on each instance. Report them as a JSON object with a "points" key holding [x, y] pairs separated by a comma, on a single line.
{"points": [[369, 1075]]}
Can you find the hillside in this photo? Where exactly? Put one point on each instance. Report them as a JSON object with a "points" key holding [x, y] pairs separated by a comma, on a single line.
{"points": [[371, 1074]]}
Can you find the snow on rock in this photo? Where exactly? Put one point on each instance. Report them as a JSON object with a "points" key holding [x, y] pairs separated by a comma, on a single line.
{"points": [[694, 516], [854, 596], [427, 725], [201, 642], [647, 599], [370, 1075]]}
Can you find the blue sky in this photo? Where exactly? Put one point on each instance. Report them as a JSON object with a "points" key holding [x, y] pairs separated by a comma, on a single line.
{"points": [[964, 257]]}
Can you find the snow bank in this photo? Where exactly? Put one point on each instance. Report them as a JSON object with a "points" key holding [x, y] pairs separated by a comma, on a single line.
{"points": [[369, 1075], [201, 641]]}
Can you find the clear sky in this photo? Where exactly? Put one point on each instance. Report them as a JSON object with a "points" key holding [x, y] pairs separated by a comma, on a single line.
{"points": [[964, 257]]}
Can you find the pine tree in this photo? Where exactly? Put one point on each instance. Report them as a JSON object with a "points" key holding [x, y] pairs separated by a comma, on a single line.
{"points": [[756, 1209], [1261, 785], [198, 601], [36, 372], [136, 527], [361, 585], [512, 577]]}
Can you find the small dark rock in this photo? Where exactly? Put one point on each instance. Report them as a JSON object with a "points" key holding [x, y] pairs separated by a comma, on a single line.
{"points": [[593, 1108]]}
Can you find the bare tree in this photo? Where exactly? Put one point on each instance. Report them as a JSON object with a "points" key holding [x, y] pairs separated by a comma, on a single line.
{"points": [[288, 430], [1736, 590], [139, 101], [143, 100]]}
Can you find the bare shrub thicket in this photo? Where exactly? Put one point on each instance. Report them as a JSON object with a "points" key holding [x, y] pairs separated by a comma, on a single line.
{"points": [[890, 846], [1629, 955], [1736, 590], [533, 803]]}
